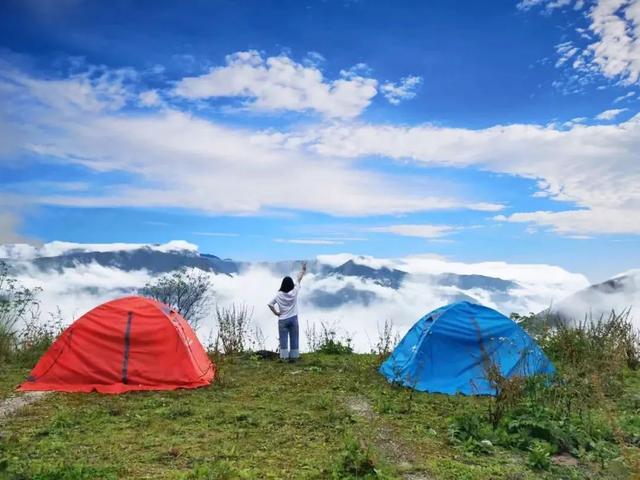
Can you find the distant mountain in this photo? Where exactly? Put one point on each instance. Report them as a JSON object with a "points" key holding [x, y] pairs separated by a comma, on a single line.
{"points": [[383, 276], [158, 259], [142, 258], [469, 282], [616, 294], [78, 273], [349, 294]]}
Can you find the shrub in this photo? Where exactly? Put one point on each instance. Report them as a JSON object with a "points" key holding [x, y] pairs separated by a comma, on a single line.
{"points": [[574, 411], [593, 341], [188, 291], [325, 340], [592, 357], [233, 328], [354, 462], [37, 336], [17, 304], [539, 455]]}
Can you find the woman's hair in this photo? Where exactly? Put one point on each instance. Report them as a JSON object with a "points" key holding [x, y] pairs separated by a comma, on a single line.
{"points": [[287, 285]]}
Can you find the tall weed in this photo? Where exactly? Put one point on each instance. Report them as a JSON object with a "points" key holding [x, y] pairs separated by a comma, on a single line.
{"points": [[325, 339], [234, 324], [17, 304], [387, 340]]}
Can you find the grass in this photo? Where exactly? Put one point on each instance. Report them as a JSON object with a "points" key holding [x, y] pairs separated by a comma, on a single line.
{"points": [[11, 375], [330, 416]]}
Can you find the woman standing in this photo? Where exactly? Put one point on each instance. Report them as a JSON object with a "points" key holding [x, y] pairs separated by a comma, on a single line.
{"points": [[286, 301]]}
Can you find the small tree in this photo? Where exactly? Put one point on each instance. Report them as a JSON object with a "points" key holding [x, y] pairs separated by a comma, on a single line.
{"points": [[189, 292], [16, 304]]}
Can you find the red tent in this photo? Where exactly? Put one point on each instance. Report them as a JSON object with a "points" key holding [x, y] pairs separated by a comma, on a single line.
{"points": [[131, 343]]}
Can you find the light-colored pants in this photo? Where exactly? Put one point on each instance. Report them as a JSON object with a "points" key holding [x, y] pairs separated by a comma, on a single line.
{"points": [[288, 330]]}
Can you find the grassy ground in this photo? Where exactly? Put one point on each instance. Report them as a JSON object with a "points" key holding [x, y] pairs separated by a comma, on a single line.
{"points": [[315, 419], [10, 376]]}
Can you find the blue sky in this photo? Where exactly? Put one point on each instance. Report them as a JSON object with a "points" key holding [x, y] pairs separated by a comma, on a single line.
{"points": [[478, 131]]}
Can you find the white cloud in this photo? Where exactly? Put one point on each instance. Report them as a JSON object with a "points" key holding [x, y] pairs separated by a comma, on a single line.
{"points": [[421, 231], [9, 223], [592, 167], [595, 303], [215, 234], [150, 98], [610, 114], [588, 221], [613, 40], [626, 96], [575, 121], [279, 83], [616, 24], [308, 241], [56, 248], [179, 159], [405, 89], [78, 289], [565, 51], [548, 4], [98, 89]]}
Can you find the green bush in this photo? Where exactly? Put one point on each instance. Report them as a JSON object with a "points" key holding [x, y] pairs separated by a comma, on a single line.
{"points": [[354, 462], [472, 432], [539, 455], [221, 470]]}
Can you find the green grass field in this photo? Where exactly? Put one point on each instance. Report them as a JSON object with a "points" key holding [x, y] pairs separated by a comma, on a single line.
{"points": [[10, 376], [325, 417]]}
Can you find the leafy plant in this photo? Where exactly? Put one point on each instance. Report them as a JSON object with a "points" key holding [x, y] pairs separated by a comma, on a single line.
{"points": [[539, 455], [354, 462]]}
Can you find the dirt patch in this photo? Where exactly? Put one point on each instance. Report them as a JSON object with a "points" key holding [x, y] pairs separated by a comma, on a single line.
{"points": [[11, 405], [361, 407], [565, 460], [385, 440]]}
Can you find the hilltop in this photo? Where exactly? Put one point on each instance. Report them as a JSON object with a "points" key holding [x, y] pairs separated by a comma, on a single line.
{"points": [[326, 417]]}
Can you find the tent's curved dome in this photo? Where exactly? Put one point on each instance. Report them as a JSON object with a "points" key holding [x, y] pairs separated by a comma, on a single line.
{"points": [[447, 351], [132, 343]]}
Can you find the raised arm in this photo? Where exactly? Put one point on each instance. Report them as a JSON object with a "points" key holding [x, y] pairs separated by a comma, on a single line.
{"points": [[303, 270]]}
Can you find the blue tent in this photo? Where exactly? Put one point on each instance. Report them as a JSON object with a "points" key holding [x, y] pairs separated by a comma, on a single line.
{"points": [[446, 351]]}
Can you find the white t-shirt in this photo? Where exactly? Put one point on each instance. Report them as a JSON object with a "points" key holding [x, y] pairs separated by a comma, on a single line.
{"points": [[287, 303]]}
